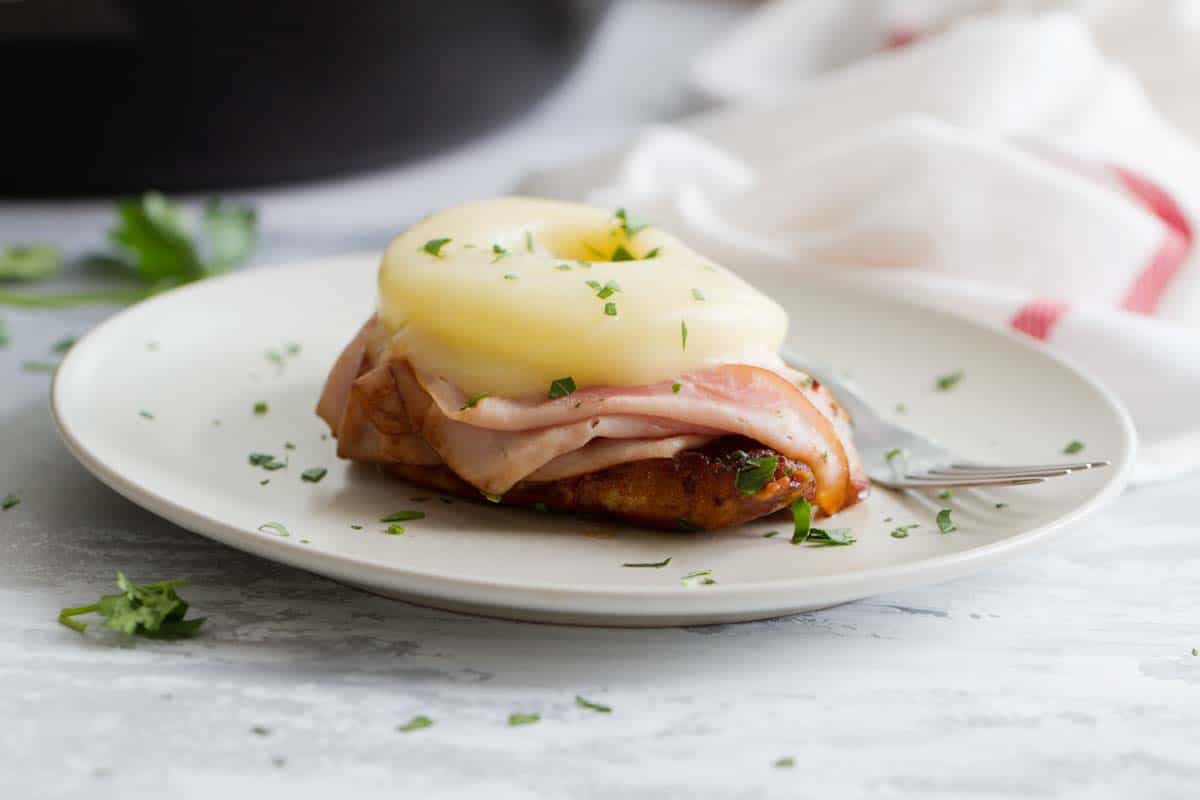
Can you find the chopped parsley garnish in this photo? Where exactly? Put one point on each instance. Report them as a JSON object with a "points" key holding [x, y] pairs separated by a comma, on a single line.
{"points": [[610, 309], [755, 474], [1001, 505], [434, 247], [511, 276], [38, 366], [801, 520], [395, 529], [259, 730], [594, 284], [145, 414], [150, 609], [260, 408], [3, 333], [563, 268], [278, 528], [901, 408], [833, 537], [9, 501], [683, 333], [650, 564], [279, 357], [584, 264], [945, 494], [624, 223], [289, 446], [473, 400], [264, 481], [64, 344], [901, 532], [607, 291], [1073, 447], [313, 475], [266, 461], [945, 383], [33, 262], [770, 534], [944, 523], [786, 761], [621, 254], [1195, 652], [562, 387], [523, 719], [675, 387], [356, 527], [415, 724], [583, 702], [653, 253], [698, 295], [895, 452], [699, 576], [499, 252], [528, 241], [403, 516]]}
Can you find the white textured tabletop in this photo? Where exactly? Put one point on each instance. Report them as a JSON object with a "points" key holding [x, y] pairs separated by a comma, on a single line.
{"points": [[1068, 673]]}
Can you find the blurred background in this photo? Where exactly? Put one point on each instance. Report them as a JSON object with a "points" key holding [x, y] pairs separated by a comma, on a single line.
{"points": [[1032, 163], [358, 119]]}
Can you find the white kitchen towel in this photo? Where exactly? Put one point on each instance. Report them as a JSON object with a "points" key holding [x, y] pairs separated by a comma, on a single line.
{"points": [[1003, 167]]}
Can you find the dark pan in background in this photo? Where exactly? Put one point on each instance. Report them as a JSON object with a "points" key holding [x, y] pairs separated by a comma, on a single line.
{"points": [[109, 96]]}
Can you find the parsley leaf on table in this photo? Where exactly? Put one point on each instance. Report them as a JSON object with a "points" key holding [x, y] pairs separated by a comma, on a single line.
{"points": [[583, 702], [32, 262], [151, 609], [415, 724], [154, 245]]}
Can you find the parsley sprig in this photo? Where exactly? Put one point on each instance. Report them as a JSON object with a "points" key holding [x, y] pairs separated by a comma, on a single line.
{"points": [[152, 609], [153, 245]]}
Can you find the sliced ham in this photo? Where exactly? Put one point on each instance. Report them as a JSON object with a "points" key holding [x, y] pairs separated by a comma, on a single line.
{"points": [[495, 460], [740, 399], [389, 412], [602, 453]]}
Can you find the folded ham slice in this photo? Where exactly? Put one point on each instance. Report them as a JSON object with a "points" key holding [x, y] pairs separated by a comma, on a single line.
{"points": [[384, 410]]}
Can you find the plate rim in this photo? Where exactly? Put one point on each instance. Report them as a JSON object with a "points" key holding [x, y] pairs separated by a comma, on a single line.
{"points": [[926, 570]]}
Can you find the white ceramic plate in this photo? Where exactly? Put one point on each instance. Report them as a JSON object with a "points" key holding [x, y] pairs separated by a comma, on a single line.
{"points": [[195, 360]]}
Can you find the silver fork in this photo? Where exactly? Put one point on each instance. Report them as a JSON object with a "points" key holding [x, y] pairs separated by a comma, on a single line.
{"points": [[897, 458]]}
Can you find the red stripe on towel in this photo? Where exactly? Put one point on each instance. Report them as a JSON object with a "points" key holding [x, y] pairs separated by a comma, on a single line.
{"points": [[1147, 290], [1038, 318], [900, 37]]}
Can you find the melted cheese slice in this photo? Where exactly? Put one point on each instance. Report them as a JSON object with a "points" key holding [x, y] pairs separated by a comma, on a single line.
{"points": [[506, 307]]}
